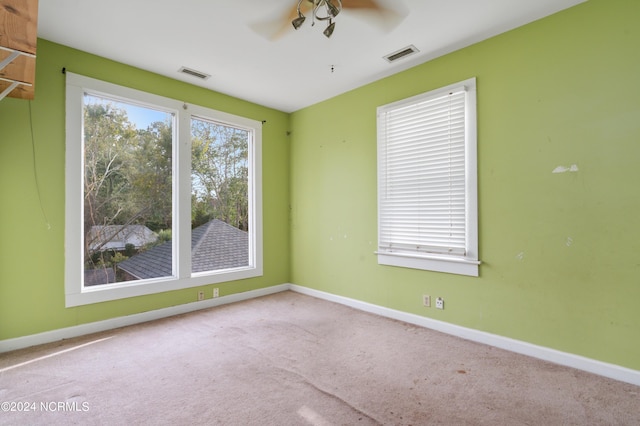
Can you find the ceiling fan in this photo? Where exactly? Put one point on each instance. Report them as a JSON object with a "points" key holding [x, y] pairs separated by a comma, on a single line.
{"points": [[326, 11]]}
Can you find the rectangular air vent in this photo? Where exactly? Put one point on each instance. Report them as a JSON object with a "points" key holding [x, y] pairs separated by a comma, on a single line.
{"points": [[194, 73], [405, 51]]}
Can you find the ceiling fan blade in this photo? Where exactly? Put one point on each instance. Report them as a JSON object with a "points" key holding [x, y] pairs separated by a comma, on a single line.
{"points": [[386, 18], [361, 4]]}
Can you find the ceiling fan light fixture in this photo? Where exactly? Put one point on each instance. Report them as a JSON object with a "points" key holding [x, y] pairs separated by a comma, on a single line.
{"points": [[329, 30], [297, 23], [332, 9]]}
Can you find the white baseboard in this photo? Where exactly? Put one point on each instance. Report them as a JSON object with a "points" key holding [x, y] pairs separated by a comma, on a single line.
{"points": [[94, 327], [611, 371]]}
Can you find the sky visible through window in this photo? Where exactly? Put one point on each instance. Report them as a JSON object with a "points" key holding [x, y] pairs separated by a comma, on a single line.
{"points": [[143, 117], [140, 116]]}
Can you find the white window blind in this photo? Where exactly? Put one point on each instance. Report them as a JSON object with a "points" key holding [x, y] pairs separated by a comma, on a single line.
{"points": [[423, 199]]}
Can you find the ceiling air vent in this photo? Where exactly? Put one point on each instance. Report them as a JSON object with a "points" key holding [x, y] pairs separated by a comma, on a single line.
{"points": [[405, 51], [194, 73]]}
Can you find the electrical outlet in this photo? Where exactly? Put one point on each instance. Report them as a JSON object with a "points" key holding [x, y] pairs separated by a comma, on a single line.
{"points": [[201, 295], [426, 300], [440, 303], [216, 293]]}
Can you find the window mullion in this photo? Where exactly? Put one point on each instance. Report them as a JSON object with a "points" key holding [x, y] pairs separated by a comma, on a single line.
{"points": [[182, 202]]}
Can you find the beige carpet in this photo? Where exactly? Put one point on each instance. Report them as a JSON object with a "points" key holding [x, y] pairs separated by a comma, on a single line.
{"points": [[290, 359]]}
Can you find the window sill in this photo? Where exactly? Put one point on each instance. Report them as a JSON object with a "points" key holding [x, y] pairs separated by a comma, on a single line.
{"points": [[77, 296], [451, 265]]}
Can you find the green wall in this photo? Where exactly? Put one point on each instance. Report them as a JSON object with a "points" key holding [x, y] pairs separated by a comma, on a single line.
{"points": [[32, 221], [560, 251]]}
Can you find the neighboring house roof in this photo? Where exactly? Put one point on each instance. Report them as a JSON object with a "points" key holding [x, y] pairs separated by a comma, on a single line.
{"points": [[214, 245], [116, 237], [99, 276]]}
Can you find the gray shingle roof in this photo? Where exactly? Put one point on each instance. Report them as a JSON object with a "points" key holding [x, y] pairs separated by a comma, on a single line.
{"points": [[99, 276], [214, 245]]}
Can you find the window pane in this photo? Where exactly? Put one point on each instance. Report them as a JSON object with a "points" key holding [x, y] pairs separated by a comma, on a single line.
{"points": [[427, 200], [127, 192], [422, 202], [219, 196]]}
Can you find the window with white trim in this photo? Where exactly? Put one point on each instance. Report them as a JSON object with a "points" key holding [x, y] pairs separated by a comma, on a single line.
{"points": [[427, 181], [160, 195]]}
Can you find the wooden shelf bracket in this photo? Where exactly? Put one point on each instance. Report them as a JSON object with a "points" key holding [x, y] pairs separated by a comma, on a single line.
{"points": [[6, 61], [18, 44]]}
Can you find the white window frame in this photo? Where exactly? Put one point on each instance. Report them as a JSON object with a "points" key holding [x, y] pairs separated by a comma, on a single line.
{"points": [[463, 263], [76, 293]]}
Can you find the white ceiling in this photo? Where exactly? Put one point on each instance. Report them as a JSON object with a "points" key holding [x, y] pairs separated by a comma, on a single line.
{"points": [[228, 40]]}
